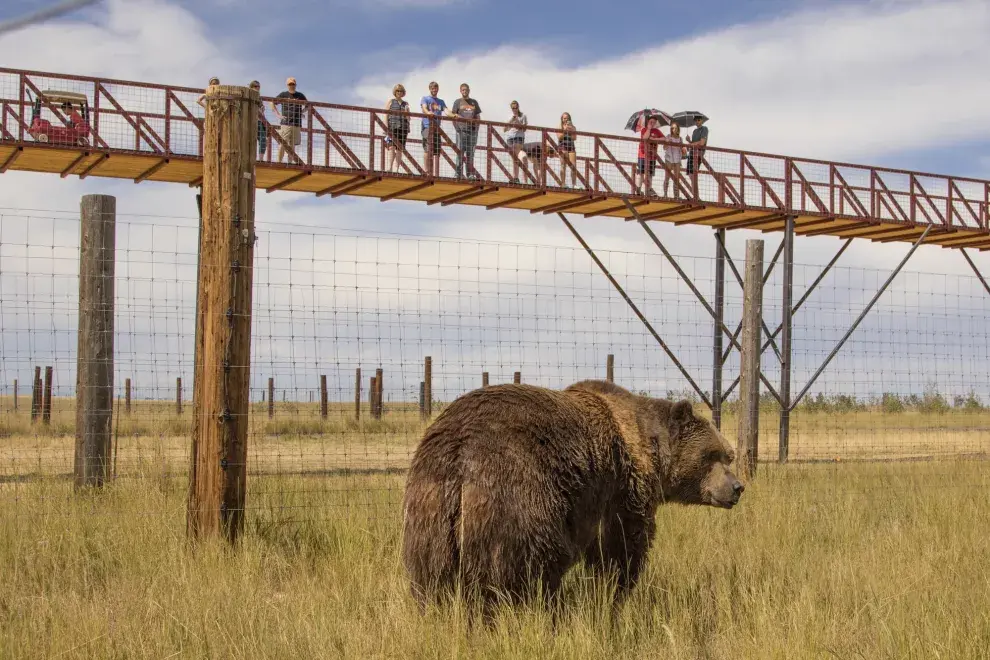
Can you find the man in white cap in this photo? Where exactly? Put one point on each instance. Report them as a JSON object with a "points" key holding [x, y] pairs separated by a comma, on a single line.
{"points": [[290, 116]]}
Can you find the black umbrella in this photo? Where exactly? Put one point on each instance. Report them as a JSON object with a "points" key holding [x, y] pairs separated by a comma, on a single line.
{"points": [[662, 117], [686, 118]]}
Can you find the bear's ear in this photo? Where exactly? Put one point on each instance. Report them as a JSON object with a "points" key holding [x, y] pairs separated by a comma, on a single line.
{"points": [[681, 414]]}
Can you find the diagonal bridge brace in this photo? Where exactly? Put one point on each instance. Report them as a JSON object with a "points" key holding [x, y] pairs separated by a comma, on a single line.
{"points": [[807, 294], [701, 298], [859, 319], [635, 309]]}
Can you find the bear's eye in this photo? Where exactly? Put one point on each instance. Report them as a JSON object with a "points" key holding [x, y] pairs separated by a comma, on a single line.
{"points": [[714, 456]]}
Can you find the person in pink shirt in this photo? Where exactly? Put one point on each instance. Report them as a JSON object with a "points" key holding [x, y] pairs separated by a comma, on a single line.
{"points": [[646, 158]]}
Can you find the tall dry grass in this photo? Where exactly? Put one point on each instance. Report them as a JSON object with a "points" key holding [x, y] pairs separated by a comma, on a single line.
{"points": [[819, 561]]}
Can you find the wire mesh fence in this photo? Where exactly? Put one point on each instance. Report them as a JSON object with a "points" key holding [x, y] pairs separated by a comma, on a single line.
{"points": [[344, 324]]}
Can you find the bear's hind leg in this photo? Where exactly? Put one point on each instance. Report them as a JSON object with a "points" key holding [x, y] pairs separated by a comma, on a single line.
{"points": [[620, 550]]}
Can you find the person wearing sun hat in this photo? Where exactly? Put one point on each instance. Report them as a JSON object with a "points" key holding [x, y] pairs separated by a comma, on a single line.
{"points": [[290, 116]]}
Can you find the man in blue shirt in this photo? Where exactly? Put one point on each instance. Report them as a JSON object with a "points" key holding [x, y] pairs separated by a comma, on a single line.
{"points": [[432, 105]]}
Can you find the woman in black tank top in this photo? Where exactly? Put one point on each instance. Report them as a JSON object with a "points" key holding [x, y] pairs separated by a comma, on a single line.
{"points": [[398, 128]]}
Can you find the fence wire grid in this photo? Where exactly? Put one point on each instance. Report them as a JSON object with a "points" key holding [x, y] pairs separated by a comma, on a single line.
{"points": [[333, 310]]}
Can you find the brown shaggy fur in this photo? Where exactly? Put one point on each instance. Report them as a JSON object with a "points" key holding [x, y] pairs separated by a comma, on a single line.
{"points": [[513, 484]]}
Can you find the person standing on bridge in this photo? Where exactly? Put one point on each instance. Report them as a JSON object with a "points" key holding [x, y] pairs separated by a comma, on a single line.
{"points": [[515, 138], [290, 117], [698, 140], [398, 128], [466, 108], [566, 149], [434, 106], [262, 123], [202, 97], [646, 159]]}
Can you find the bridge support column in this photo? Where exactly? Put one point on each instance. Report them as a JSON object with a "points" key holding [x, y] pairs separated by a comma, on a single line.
{"points": [[717, 360], [747, 453], [785, 341], [223, 317]]}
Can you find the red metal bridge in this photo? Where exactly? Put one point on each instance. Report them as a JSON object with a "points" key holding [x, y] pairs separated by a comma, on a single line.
{"points": [[150, 132]]}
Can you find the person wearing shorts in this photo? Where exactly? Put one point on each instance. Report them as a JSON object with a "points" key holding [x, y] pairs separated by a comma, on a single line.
{"points": [[565, 145], [290, 117], [433, 106], [673, 154], [398, 128], [698, 141], [646, 158], [515, 138], [262, 124]]}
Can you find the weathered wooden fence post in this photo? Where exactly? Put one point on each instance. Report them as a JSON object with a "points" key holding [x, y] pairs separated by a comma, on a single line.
{"points": [[324, 402], [127, 396], [46, 404], [94, 345], [15, 395], [178, 394], [271, 398], [428, 387], [484, 379], [517, 377], [372, 393], [357, 393], [610, 368], [379, 393], [221, 384], [422, 399], [36, 395], [749, 379]]}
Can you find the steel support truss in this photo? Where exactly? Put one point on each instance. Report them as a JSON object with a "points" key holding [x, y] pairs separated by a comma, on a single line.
{"points": [[721, 332]]}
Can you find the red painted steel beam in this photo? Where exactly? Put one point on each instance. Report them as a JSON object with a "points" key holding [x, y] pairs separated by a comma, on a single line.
{"points": [[514, 200], [476, 193], [151, 170], [92, 166], [584, 200], [71, 166], [666, 213], [288, 182], [357, 186], [405, 191], [714, 216], [14, 155], [343, 184]]}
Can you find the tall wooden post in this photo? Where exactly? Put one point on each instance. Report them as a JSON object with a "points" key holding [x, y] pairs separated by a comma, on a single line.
{"points": [[127, 396], [749, 378], [15, 395], [94, 346], [324, 402], [357, 393], [610, 368], [517, 377], [271, 398], [372, 393], [427, 387], [36, 395], [221, 393], [178, 395], [484, 379], [379, 394], [46, 405]]}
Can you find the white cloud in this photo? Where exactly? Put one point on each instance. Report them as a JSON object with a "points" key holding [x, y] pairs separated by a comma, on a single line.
{"points": [[837, 82]]}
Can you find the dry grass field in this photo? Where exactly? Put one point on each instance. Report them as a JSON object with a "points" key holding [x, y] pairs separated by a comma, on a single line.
{"points": [[848, 559]]}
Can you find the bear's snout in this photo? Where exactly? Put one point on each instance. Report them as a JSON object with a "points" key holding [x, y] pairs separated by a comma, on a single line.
{"points": [[737, 491]]}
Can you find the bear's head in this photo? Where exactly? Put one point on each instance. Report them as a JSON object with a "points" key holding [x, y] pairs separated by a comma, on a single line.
{"points": [[698, 458]]}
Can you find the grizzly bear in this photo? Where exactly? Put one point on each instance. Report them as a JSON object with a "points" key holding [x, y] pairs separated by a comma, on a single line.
{"points": [[512, 485]]}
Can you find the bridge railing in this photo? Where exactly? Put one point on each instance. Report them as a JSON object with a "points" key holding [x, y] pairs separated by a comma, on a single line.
{"points": [[166, 121]]}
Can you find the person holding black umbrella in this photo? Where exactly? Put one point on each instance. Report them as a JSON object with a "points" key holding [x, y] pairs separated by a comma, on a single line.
{"points": [[698, 140]]}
